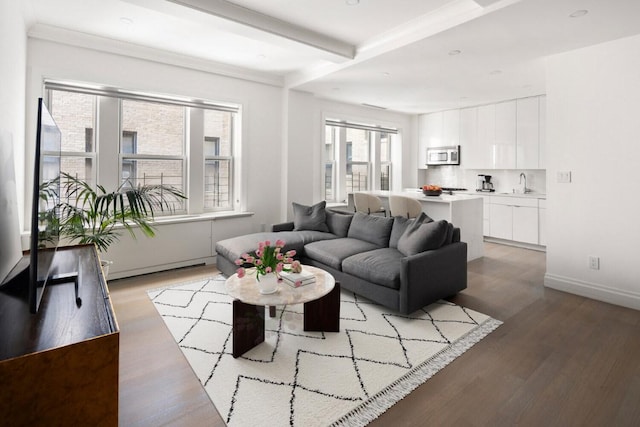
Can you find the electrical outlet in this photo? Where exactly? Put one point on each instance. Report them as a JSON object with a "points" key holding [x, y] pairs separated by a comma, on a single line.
{"points": [[594, 263], [564, 177]]}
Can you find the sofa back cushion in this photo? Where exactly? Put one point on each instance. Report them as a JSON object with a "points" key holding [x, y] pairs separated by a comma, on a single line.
{"points": [[420, 237], [400, 224], [310, 217], [371, 228], [338, 223]]}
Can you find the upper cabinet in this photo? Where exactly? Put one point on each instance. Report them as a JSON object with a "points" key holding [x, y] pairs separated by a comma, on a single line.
{"points": [[504, 144], [506, 135], [451, 127], [437, 130], [469, 146], [528, 134], [542, 126]]}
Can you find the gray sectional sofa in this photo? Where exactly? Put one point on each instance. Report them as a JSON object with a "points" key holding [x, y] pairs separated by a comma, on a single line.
{"points": [[400, 263]]}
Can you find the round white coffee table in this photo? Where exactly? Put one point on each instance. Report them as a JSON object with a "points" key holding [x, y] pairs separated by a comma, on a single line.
{"points": [[321, 301]]}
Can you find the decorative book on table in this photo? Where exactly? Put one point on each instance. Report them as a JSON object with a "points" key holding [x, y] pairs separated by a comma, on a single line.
{"points": [[304, 278]]}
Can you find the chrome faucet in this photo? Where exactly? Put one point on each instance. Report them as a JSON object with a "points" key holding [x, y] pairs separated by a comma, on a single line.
{"points": [[524, 189]]}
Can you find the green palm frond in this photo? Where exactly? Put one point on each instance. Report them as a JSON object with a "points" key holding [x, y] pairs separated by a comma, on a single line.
{"points": [[91, 215]]}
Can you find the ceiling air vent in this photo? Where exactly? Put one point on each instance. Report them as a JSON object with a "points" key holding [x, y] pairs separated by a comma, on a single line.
{"points": [[374, 106]]}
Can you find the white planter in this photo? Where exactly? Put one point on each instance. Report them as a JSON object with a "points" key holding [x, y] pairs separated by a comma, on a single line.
{"points": [[267, 283], [105, 267]]}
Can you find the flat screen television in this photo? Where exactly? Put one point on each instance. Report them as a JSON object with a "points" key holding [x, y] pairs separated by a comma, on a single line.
{"points": [[30, 274]]}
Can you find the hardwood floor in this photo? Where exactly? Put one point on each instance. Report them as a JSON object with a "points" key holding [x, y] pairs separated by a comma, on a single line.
{"points": [[558, 359]]}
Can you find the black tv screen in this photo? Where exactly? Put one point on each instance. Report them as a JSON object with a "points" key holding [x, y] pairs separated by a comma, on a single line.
{"points": [[45, 201]]}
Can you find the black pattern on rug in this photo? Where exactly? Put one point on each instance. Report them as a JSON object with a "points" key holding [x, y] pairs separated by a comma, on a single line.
{"points": [[312, 378]]}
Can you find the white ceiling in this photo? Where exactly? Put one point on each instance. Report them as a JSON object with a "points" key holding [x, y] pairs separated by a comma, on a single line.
{"points": [[389, 53]]}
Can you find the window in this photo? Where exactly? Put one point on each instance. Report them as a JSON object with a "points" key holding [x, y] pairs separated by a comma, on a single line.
{"points": [[129, 146], [358, 151], [75, 115], [357, 158], [385, 161], [218, 164], [152, 144], [158, 136], [330, 136]]}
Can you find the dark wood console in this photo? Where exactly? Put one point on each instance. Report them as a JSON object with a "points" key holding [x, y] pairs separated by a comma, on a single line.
{"points": [[60, 366]]}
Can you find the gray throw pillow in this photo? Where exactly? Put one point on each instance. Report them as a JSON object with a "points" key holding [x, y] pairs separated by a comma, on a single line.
{"points": [[400, 224], [371, 228], [338, 223], [420, 237], [310, 217]]}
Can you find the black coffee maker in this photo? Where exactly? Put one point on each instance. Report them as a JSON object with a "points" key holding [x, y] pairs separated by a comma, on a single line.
{"points": [[485, 184]]}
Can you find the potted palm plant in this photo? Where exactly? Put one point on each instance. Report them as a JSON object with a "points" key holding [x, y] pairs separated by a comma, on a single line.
{"points": [[97, 216]]}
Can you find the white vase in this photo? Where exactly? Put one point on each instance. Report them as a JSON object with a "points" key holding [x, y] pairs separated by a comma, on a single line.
{"points": [[267, 283]]}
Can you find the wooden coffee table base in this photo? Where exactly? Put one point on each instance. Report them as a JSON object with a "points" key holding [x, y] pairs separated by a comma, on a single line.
{"points": [[321, 315]]}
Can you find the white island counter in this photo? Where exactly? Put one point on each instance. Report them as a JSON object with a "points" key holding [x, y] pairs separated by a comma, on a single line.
{"points": [[463, 211]]}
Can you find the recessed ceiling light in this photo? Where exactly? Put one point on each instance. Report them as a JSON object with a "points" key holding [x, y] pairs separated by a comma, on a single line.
{"points": [[352, 2], [262, 56], [495, 72], [386, 73], [579, 13], [455, 52], [335, 88], [126, 21]]}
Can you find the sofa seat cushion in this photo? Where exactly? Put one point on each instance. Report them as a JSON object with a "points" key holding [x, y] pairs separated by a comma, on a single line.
{"points": [[379, 266], [333, 252], [234, 247]]}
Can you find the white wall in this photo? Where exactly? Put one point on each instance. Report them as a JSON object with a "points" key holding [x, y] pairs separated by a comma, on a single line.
{"points": [[305, 144], [593, 131], [13, 46], [261, 156]]}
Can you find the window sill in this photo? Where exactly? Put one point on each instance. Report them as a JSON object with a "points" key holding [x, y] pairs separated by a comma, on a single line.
{"points": [[209, 216]]}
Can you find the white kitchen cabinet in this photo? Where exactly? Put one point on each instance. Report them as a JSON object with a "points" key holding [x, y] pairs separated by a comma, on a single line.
{"points": [[542, 126], [484, 158], [528, 133], [514, 218], [429, 135], [468, 137], [451, 127], [504, 143], [525, 224], [501, 221], [433, 129]]}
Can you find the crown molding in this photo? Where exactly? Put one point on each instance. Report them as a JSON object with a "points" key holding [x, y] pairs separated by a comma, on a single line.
{"points": [[118, 47]]}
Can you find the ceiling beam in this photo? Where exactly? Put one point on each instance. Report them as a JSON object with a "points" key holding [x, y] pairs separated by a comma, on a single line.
{"points": [[241, 15]]}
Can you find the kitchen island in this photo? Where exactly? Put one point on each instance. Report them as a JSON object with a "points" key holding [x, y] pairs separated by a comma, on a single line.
{"points": [[462, 210]]}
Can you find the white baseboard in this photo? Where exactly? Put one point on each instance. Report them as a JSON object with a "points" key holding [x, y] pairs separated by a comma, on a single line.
{"points": [[115, 274], [593, 291]]}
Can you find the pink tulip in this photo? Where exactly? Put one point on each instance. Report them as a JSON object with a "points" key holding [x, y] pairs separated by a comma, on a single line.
{"points": [[291, 253], [279, 267], [240, 272], [268, 270], [258, 262], [259, 252], [279, 243], [239, 262], [267, 242], [279, 257], [245, 255], [288, 260]]}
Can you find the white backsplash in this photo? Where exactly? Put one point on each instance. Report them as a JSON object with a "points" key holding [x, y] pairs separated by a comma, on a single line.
{"points": [[504, 180]]}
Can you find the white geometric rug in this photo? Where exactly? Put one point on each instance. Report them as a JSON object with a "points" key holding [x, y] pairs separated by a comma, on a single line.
{"points": [[298, 378]]}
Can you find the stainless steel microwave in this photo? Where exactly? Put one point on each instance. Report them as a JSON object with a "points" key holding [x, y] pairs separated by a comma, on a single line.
{"points": [[449, 155]]}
